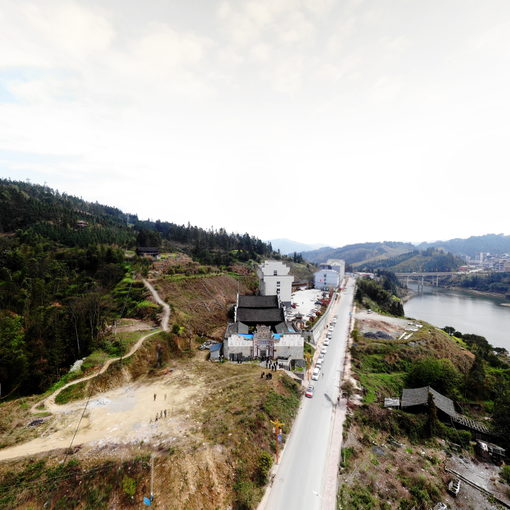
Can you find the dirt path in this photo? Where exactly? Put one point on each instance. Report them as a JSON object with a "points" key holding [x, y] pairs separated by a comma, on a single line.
{"points": [[159, 301], [49, 402]]}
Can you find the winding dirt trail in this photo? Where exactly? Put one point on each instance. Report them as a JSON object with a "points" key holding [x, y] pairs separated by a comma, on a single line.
{"points": [[49, 402], [159, 301]]}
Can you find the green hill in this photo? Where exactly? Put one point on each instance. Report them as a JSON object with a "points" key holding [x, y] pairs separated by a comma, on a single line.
{"points": [[65, 275], [361, 252], [427, 260]]}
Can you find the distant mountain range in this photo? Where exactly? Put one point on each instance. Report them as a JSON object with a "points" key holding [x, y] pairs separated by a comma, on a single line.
{"points": [[287, 246], [355, 254], [493, 243]]}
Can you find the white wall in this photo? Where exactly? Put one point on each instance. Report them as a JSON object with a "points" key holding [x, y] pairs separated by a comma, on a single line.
{"points": [[326, 279], [290, 345]]}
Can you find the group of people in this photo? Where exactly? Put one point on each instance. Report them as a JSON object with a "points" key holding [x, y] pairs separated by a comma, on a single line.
{"points": [[273, 365], [269, 375], [162, 414]]}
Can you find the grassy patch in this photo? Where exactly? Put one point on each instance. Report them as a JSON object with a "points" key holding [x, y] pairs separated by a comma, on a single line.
{"points": [[74, 392], [380, 385]]}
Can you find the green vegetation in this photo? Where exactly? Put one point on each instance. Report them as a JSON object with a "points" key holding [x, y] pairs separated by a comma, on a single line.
{"points": [[380, 293], [441, 374], [64, 277], [429, 260], [72, 485], [505, 474], [492, 282]]}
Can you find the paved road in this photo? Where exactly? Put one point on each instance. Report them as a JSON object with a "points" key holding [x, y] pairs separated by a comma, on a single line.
{"points": [[301, 477]]}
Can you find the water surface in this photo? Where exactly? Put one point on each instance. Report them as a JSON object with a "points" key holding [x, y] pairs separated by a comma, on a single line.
{"points": [[466, 312]]}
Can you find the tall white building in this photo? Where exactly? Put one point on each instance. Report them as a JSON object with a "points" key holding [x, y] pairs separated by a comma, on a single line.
{"points": [[326, 279], [338, 265], [335, 265], [275, 280]]}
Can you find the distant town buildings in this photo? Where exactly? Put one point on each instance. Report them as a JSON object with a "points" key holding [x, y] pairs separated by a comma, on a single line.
{"points": [[490, 262], [275, 280], [330, 274]]}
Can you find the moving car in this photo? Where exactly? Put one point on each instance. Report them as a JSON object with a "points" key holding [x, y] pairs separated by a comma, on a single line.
{"points": [[309, 392]]}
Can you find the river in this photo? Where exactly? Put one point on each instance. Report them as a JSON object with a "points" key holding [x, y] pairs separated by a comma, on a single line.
{"points": [[466, 312]]}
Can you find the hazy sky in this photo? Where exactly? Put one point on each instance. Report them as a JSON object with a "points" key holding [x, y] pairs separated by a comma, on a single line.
{"points": [[316, 120]]}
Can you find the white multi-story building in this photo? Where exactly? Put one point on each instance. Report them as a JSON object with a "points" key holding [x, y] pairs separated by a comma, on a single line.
{"points": [[326, 279], [275, 280], [338, 265]]}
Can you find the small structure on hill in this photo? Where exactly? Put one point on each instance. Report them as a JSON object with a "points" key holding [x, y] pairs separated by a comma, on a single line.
{"points": [[490, 452], [148, 251], [259, 331], [418, 399]]}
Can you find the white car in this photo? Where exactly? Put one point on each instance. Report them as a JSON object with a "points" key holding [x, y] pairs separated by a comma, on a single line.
{"points": [[324, 350], [315, 376], [326, 342]]}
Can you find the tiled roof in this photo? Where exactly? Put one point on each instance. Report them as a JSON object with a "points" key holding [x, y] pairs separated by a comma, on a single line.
{"points": [[258, 302], [420, 396], [260, 315]]}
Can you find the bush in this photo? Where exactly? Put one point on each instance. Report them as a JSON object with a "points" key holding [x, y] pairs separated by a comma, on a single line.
{"points": [[247, 495], [505, 474], [129, 486], [438, 373], [264, 464]]}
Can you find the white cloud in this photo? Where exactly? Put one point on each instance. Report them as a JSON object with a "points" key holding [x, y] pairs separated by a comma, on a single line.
{"points": [[371, 97]]}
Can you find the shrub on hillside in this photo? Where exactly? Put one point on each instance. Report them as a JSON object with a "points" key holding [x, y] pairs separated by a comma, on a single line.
{"points": [[440, 374]]}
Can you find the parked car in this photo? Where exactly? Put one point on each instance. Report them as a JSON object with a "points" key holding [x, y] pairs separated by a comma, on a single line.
{"points": [[318, 363], [454, 487], [309, 392], [324, 350], [316, 374], [326, 342], [440, 506]]}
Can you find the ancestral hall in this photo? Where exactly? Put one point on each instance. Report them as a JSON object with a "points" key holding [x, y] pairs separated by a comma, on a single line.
{"points": [[259, 330]]}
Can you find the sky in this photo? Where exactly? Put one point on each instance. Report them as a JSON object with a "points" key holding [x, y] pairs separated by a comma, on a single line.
{"points": [[322, 121]]}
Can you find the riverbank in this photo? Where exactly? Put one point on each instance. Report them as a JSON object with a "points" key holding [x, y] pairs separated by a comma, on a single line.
{"points": [[499, 295], [466, 310]]}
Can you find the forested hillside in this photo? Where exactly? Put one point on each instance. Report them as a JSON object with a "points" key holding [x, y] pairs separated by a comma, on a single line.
{"points": [[65, 273], [427, 260], [360, 252]]}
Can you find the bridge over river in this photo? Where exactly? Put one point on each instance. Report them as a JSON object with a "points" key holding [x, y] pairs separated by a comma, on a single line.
{"points": [[433, 276]]}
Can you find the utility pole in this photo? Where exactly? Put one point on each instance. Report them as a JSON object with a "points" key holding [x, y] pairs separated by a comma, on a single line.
{"points": [[278, 429], [152, 477]]}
